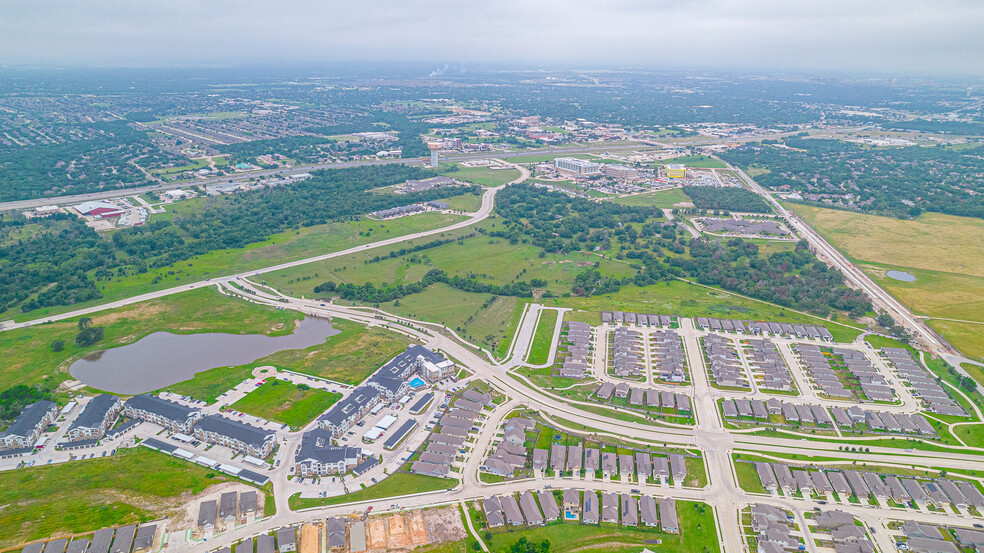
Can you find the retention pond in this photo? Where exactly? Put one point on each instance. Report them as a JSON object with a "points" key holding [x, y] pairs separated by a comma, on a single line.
{"points": [[161, 359]]}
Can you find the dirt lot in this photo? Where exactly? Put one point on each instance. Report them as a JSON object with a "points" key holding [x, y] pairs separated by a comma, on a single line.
{"points": [[405, 531]]}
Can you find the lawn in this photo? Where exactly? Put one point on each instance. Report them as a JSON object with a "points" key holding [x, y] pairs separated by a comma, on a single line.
{"points": [[278, 248], [287, 403], [29, 358], [348, 357], [666, 199], [748, 478], [543, 338], [79, 496], [394, 485], [697, 532]]}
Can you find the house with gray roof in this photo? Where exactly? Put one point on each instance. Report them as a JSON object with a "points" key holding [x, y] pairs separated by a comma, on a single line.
{"points": [[648, 511], [609, 507], [668, 516], [589, 510], [493, 512], [350, 410], [551, 511], [144, 539], [531, 512], [207, 513], [510, 508], [287, 539]]}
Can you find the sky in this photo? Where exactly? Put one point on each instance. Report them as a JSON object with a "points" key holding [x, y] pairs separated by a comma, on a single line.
{"points": [[853, 36]]}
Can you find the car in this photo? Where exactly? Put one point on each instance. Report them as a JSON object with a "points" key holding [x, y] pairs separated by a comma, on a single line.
{"points": [[909, 449], [322, 305], [636, 490], [822, 502], [374, 480], [817, 509], [978, 525]]}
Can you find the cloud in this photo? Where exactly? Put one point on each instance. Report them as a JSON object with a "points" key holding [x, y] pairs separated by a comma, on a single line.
{"points": [[885, 36]]}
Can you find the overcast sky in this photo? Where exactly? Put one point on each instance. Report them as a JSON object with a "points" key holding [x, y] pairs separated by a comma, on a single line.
{"points": [[881, 36]]}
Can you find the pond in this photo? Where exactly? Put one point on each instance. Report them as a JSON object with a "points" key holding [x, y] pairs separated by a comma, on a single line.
{"points": [[901, 275], [162, 358]]}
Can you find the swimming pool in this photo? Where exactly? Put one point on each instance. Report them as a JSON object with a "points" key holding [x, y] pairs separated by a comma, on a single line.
{"points": [[417, 383], [570, 516]]}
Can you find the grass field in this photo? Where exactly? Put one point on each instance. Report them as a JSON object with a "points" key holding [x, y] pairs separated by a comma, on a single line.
{"points": [[347, 357], [80, 496], [468, 203], [666, 199], [394, 485], [278, 248], [945, 253], [748, 478], [29, 358], [933, 241], [484, 176], [543, 338], [284, 402], [700, 162], [688, 300], [697, 532]]}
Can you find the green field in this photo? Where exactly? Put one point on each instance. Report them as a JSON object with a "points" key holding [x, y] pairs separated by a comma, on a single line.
{"points": [[543, 338], [278, 248], [347, 357], [394, 485], [666, 199], [29, 358], [700, 162], [284, 402], [697, 532], [484, 176], [79, 496], [945, 253], [469, 203]]}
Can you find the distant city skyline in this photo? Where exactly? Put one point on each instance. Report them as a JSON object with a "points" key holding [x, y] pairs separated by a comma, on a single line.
{"points": [[876, 36]]}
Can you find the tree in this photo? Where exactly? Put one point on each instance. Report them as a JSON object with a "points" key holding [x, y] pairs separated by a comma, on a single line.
{"points": [[885, 320], [89, 336], [84, 323], [57, 345]]}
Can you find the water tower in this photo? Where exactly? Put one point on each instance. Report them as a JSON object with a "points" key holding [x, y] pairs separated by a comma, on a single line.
{"points": [[434, 148]]}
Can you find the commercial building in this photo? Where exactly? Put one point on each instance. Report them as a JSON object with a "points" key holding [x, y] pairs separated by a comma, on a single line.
{"points": [[29, 425], [173, 416], [239, 436], [577, 166], [676, 171]]}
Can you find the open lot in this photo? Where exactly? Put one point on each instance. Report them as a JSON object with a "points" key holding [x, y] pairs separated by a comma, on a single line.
{"points": [[484, 176], [80, 496], [287, 403], [666, 199]]}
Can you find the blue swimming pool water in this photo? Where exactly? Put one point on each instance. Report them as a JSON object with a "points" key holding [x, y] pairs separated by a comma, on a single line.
{"points": [[569, 515], [417, 382]]}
